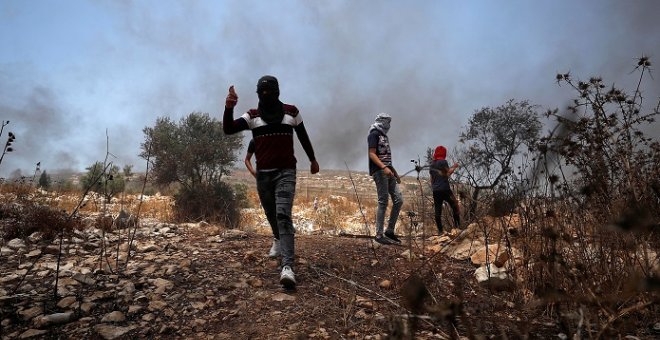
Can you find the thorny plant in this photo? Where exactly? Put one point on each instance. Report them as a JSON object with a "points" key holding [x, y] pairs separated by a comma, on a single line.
{"points": [[10, 140], [590, 214], [602, 139]]}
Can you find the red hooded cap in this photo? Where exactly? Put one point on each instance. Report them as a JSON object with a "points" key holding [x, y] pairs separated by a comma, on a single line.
{"points": [[440, 153]]}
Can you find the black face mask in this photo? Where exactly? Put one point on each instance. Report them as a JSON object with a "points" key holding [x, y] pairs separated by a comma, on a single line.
{"points": [[270, 107]]}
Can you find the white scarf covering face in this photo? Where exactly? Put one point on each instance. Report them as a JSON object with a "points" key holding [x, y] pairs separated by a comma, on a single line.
{"points": [[382, 123]]}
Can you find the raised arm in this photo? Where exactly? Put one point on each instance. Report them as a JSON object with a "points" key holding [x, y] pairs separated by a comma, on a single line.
{"points": [[229, 124], [452, 169]]}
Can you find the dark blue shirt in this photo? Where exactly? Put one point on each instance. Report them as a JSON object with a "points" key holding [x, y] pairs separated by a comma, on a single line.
{"points": [[439, 178]]}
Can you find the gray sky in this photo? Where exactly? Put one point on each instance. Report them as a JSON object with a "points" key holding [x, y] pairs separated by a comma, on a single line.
{"points": [[72, 70]]}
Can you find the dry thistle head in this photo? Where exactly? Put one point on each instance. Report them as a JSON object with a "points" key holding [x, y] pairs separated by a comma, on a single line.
{"points": [[643, 61], [563, 76]]}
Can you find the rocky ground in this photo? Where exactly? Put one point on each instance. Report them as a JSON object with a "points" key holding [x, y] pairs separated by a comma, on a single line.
{"points": [[201, 281]]}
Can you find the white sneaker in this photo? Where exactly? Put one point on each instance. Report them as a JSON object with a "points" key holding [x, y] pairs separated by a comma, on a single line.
{"points": [[287, 278], [275, 249]]}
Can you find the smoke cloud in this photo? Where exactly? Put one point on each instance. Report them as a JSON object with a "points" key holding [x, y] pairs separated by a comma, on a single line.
{"points": [[429, 64]]}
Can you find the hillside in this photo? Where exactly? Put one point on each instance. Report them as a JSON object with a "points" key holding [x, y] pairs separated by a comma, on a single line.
{"points": [[202, 281]]}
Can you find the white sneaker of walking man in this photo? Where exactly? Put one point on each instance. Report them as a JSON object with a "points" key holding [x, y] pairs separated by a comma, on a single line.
{"points": [[287, 278], [275, 249]]}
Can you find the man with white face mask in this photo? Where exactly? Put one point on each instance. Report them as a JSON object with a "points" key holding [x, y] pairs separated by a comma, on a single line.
{"points": [[386, 178]]}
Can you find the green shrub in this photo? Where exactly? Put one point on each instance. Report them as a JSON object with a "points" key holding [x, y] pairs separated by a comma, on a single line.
{"points": [[216, 203], [19, 221]]}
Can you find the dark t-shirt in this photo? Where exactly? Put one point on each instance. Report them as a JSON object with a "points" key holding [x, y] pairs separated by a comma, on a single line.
{"points": [[439, 179], [251, 146], [381, 143]]}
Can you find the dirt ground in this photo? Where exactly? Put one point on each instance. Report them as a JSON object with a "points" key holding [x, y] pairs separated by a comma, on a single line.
{"points": [[224, 287]]}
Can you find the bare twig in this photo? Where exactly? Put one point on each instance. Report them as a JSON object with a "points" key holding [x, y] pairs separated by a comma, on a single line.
{"points": [[641, 305], [137, 216], [364, 218], [385, 298]]}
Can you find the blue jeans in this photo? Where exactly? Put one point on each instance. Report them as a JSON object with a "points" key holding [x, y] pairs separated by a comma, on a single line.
{"points": [[386, 185], [276, 191]]}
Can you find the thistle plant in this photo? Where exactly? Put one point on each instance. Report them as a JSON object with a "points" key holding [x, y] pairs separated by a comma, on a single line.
{"points": [[606, 142], [10, 140], [36, 171]]}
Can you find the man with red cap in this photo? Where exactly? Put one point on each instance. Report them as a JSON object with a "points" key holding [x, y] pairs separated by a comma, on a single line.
{"points": [[440, 172]]}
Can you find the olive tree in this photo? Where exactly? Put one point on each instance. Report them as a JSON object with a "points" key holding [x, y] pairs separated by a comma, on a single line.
{"points": [[492, 140], [106, 180], [195, 153]]}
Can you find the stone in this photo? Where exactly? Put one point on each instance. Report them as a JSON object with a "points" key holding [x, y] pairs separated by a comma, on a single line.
{"points": [[84, 279], [16, 244], [36, 236], [148, 248], [385, 284], [86, 307], [110, 332], [134, 309], [53, 319], [141, 298], [463, 249], [34, 253], [115, 316], [161, 285], [363, 302], [32, 333], [157, 305], [434, 248], [279, 297], [499, 278], [481, 255], [66, 302], [408, 255], [30, 313], [52, 249]]}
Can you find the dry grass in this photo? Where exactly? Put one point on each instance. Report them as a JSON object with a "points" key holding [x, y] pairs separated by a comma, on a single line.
{"points": [[158, 207], [568, 262]]}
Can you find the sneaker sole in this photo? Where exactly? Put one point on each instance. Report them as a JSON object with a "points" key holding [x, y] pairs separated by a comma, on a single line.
{"points": [[384, 241], [393, 241], [288, 283]]}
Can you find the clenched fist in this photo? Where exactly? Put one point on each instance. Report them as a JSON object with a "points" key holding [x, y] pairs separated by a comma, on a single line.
{"points": [[232, 98]]}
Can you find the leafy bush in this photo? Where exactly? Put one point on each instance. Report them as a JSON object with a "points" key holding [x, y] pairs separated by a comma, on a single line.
{"points": [[21, 220], [107, 181], [195, 154], [217, 203], [45, 181]]}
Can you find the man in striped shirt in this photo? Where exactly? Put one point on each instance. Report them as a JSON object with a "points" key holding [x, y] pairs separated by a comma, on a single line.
{"points": [[272, 124], [386, 178]]}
